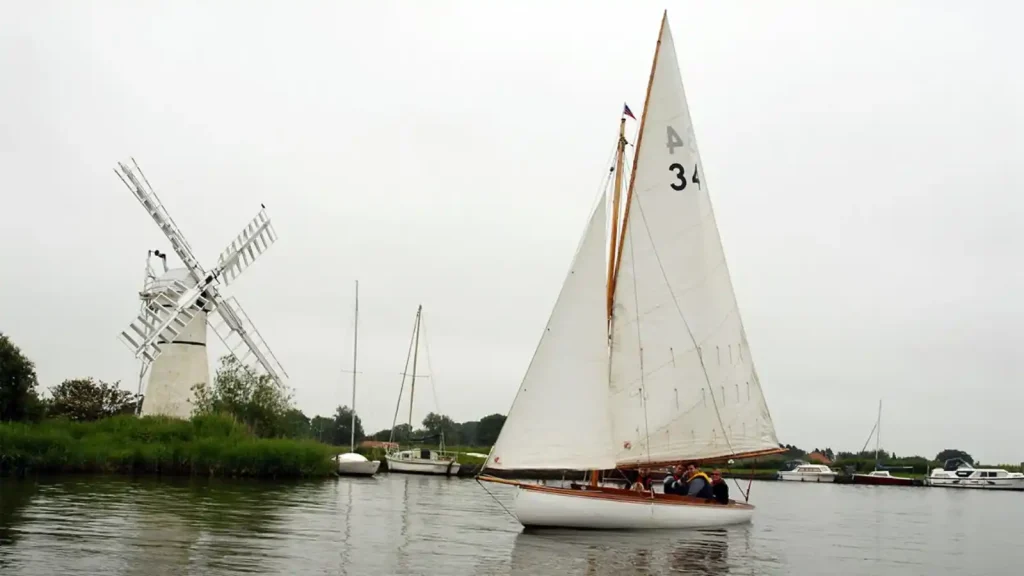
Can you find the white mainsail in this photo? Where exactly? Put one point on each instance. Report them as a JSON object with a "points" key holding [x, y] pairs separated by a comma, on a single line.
{"points": [[682, 382], [559, 418], [677, 382]]}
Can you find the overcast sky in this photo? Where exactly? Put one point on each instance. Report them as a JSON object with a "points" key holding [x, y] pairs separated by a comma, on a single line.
{"points": [[863, 160]]}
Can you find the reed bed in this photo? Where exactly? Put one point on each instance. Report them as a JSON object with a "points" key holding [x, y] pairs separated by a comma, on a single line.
{"points": [[213, 445]]}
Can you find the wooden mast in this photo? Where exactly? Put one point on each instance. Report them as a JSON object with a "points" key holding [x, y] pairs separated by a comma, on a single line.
{"points": [[616, 243], [616, 195], [616, 236], [636, 155]]}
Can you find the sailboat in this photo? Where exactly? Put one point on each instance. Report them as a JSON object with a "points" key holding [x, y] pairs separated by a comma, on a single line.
{"points": [[644, 362], [353, 463], [419, 460], [878, 476]]}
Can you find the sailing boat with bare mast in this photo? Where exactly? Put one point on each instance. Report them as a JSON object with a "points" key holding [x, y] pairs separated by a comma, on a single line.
{"points": [[353, 463], [879, 476], [644, 361], [420, 460]]}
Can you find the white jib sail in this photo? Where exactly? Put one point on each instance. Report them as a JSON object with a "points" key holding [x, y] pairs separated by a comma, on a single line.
{"points": [[559, 418], [682, 381]]}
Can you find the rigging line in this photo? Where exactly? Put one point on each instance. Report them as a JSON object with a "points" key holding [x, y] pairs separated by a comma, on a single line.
{"points": [[401, 389], [643, 388], [496, 500], [430, 366], [865, 447], [686, 324]]}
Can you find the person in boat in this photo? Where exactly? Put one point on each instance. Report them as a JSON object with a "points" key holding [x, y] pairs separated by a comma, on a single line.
{"points": [[719, 488], [698, 484], [643, 481], [675, 483]]}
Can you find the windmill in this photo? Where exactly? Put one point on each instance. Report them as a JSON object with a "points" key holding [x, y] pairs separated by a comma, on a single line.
{"points": [[179, 304]]}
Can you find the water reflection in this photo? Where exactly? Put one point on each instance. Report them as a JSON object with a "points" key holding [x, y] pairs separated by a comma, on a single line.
{"points": [[421, 525], [616, 553], [15, 499], [708, 553]]}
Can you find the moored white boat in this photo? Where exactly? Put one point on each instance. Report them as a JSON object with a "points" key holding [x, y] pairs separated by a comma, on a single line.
{"points": [[644, 360], [959, 474], [808, 473], [423, 462], [355, 464], [419, 460], [881, 478]]}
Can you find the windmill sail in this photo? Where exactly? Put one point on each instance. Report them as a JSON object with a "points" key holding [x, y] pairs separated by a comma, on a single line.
{"points": [[559, 418], [670, 378], [682, 382]]}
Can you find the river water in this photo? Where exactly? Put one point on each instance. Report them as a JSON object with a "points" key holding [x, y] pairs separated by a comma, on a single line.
{"points": [[398, 524]]}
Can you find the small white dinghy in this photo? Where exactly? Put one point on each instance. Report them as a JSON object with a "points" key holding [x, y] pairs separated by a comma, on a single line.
{"points": [[354, 464], [644, 360]]}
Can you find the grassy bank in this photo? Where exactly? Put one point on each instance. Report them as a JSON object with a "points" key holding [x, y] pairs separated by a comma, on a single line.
{"points": [[206, 445]]}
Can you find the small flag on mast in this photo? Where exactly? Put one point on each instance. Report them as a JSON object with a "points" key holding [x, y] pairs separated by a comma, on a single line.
{"points": [[626, 111]]}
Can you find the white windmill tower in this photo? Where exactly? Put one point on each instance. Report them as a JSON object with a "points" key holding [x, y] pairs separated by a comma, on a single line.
{"points": [[169, 335]]}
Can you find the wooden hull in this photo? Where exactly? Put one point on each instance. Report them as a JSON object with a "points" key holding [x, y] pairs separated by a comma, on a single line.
{"points": [[881, 480], [421, 466], [368, 468], [616, 509]]}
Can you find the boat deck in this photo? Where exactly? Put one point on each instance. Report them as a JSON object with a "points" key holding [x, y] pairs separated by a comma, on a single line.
{"points": [[619, 494]]}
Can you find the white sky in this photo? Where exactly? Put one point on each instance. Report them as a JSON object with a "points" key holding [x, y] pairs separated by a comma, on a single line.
{"points": [[862, 159]]}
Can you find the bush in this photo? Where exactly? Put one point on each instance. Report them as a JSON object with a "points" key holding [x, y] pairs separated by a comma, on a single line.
{"points": [[84, 399], [252, 398]]}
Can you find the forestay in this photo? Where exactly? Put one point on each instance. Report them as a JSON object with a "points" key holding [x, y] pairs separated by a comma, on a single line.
{"points": [[559, 418], [679, 350]]}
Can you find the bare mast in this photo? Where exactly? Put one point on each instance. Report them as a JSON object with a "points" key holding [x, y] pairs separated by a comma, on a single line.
{"points": [[878, 432], [355, 349], [415, 354]]}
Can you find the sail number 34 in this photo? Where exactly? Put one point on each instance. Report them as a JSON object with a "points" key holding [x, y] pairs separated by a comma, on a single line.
{"points": [[674, 141]]}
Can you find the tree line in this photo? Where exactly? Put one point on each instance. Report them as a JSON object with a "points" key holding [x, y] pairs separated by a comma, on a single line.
{"points": [[483, 432], [251, 398], [268, 411], [865, 461]]}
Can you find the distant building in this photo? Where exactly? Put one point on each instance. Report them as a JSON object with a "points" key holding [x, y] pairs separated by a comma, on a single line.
{"points": [[376, 444], [819, 458]]}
